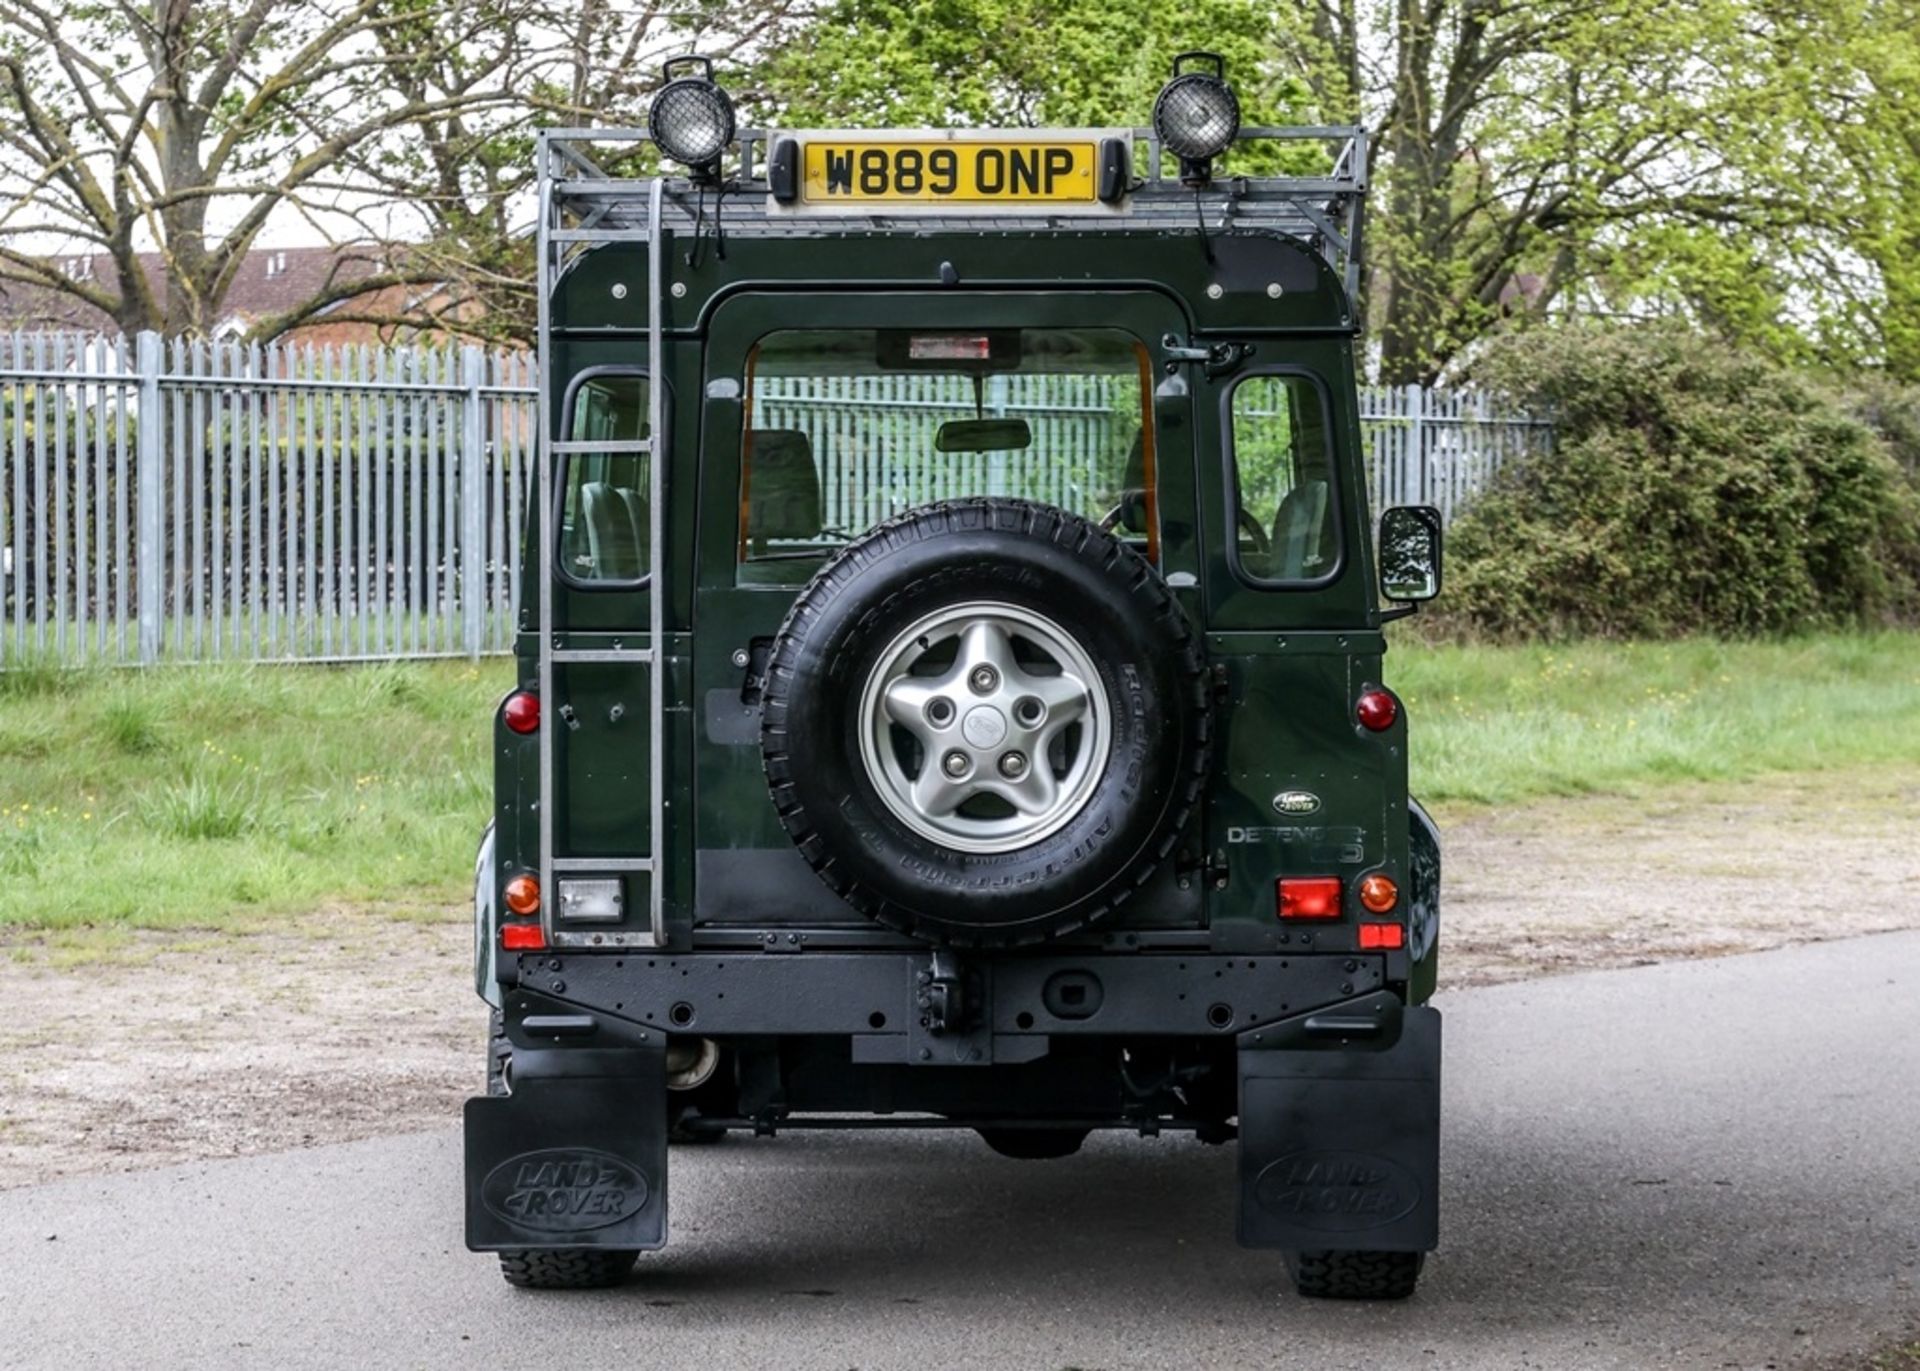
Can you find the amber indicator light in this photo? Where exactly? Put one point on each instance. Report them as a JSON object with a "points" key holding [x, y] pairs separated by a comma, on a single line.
{"points": [[523, 895], [1379, 894]]}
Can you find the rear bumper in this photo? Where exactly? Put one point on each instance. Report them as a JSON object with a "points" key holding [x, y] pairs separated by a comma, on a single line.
{"points": [[890, 1004]]}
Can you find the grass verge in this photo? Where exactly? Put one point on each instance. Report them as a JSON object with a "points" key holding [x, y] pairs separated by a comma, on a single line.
{"points": [[200, 796], [1496, 725], [197, 796]]}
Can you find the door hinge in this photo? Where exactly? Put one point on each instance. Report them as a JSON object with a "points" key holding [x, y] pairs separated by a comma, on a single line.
{"points": [[1216, 359]]}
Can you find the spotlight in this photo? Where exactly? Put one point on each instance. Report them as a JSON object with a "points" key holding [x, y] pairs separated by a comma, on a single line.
{"points": [[691, 118], [1196, 116]]}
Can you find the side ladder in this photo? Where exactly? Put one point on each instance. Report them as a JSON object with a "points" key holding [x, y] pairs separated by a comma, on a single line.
{"points": [[552, 653]]}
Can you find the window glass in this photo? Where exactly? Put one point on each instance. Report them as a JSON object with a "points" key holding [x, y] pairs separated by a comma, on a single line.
{"points": [[848, 427], [1283, 480], [605, 523]]}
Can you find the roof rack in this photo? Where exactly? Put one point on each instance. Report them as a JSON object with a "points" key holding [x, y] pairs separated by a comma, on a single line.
{"points": [[584, 205]]}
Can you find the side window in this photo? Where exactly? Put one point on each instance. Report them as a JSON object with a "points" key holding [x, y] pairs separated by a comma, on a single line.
{"points": [[605, 521], [1283, 481]]}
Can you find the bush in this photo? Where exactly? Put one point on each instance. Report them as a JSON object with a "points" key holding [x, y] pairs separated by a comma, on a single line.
{"points": [[1691, 489]]}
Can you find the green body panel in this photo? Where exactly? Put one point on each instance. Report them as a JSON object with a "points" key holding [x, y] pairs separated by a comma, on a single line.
{"points": [[1288, 663]]}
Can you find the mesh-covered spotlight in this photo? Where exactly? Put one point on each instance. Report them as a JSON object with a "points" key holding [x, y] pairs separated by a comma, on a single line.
{"points": [[691, 118], [1196, 115]]}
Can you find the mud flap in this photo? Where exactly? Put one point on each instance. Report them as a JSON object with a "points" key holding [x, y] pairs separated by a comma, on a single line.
{"points": [[1340, 1139], [576, 1156]]}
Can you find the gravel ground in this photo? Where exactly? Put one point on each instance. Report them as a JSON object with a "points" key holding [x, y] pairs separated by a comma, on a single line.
{"points": [[349, 1024]]}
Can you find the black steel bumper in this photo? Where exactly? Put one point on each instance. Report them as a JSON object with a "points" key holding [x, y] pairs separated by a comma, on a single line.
{"points": [[920, 1007]]}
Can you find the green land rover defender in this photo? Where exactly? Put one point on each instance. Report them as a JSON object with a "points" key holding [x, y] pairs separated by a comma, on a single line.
{"points": [[950, 687]]}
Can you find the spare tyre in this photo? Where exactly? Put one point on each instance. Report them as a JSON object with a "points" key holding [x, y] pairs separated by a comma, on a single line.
{"points": [[986, 722]]}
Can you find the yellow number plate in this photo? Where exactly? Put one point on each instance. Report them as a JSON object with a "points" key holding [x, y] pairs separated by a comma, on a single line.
{"points": [[919, 173]]}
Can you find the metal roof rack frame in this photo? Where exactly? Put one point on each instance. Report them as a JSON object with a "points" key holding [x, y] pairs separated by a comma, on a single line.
{"points": [[584, 205]]}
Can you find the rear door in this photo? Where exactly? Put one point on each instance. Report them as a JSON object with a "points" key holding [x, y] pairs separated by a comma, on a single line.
{"points": [[795, 462]]}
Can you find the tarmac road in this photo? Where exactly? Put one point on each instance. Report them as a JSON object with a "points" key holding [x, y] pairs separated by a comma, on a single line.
{"points": [[1711, 1164]]}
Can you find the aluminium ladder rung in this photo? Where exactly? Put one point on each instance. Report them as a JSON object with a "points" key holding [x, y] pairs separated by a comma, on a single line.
{"points": [[641, 864], [633, 655]]}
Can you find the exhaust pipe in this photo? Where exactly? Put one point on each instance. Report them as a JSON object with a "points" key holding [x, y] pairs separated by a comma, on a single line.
{"points": [[691, 1062]]}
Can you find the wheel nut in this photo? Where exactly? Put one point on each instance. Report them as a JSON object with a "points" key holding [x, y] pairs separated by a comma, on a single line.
{"points": [[939, 711], [984, 679], [956, 764], [1014, 765]]}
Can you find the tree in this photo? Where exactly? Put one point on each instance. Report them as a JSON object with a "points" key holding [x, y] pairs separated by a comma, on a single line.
{"points": [[186, 125], [1089, 63], [1596, 153], [466, 174]]}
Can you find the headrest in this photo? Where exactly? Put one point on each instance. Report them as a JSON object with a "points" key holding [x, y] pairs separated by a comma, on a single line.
{"points": [[783, 486]]}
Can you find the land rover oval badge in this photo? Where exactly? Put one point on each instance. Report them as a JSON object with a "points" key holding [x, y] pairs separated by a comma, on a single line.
{"points": [[1296, 802], [564, 1190]]}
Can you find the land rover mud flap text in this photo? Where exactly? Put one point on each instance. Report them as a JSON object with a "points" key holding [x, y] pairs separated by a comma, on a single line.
{"points": [[571, 1160], [1340, 1142]]}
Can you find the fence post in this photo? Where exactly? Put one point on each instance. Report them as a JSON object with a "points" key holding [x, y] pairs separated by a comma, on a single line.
{"points": [[473, 489], [149, 457], [1416, 398]]}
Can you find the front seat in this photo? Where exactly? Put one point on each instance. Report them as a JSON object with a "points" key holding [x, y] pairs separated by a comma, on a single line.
{"points": [[783, 487], [614, 539], [1299, 532]]}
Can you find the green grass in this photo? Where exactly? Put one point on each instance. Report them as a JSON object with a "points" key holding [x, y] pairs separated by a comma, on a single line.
{"points": [[201, 796], [191, 797], [1499, 725]]}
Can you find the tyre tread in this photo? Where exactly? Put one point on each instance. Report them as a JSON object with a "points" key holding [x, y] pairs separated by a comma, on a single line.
{"points": [[566, 1268], [1325, 1275]]}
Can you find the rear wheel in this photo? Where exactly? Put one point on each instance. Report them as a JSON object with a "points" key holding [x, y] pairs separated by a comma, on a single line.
{"points": [[1035, 1144], [1355, 1275], [567, 1268]]}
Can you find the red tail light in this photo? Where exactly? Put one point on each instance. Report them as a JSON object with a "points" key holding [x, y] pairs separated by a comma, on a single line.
{"points": [[522, 937], [1376, 709], [521, 712], [1309, 897], [1382, 937]]}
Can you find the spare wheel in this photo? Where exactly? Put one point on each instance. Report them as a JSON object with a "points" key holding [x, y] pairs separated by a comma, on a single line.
{"points": [[986, 722]]}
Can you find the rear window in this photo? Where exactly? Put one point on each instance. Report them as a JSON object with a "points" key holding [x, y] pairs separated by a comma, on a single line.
{"points": [[1285, 532], [848, 427], [605, 519]]}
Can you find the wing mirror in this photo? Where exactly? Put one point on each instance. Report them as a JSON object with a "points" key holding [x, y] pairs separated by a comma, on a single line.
{"points": [[1410, 553]]}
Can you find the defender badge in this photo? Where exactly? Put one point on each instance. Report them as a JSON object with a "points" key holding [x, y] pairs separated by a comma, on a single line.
{"points": [[1296, 802]]}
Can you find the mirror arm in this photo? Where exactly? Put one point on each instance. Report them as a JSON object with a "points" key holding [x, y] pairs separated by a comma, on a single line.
{"points": [[1399, 611]]}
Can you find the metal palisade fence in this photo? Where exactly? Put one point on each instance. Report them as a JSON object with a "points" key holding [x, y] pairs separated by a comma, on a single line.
{"points": [[202, 500], [194, 500]]}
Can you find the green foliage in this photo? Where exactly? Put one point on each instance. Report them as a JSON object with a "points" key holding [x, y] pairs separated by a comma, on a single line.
{"points": [[937, 63], [1501, 725], [1692, 489]]}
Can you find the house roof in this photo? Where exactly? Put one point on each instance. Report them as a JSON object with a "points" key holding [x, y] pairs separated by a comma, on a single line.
{"points": [[269, 281]]}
